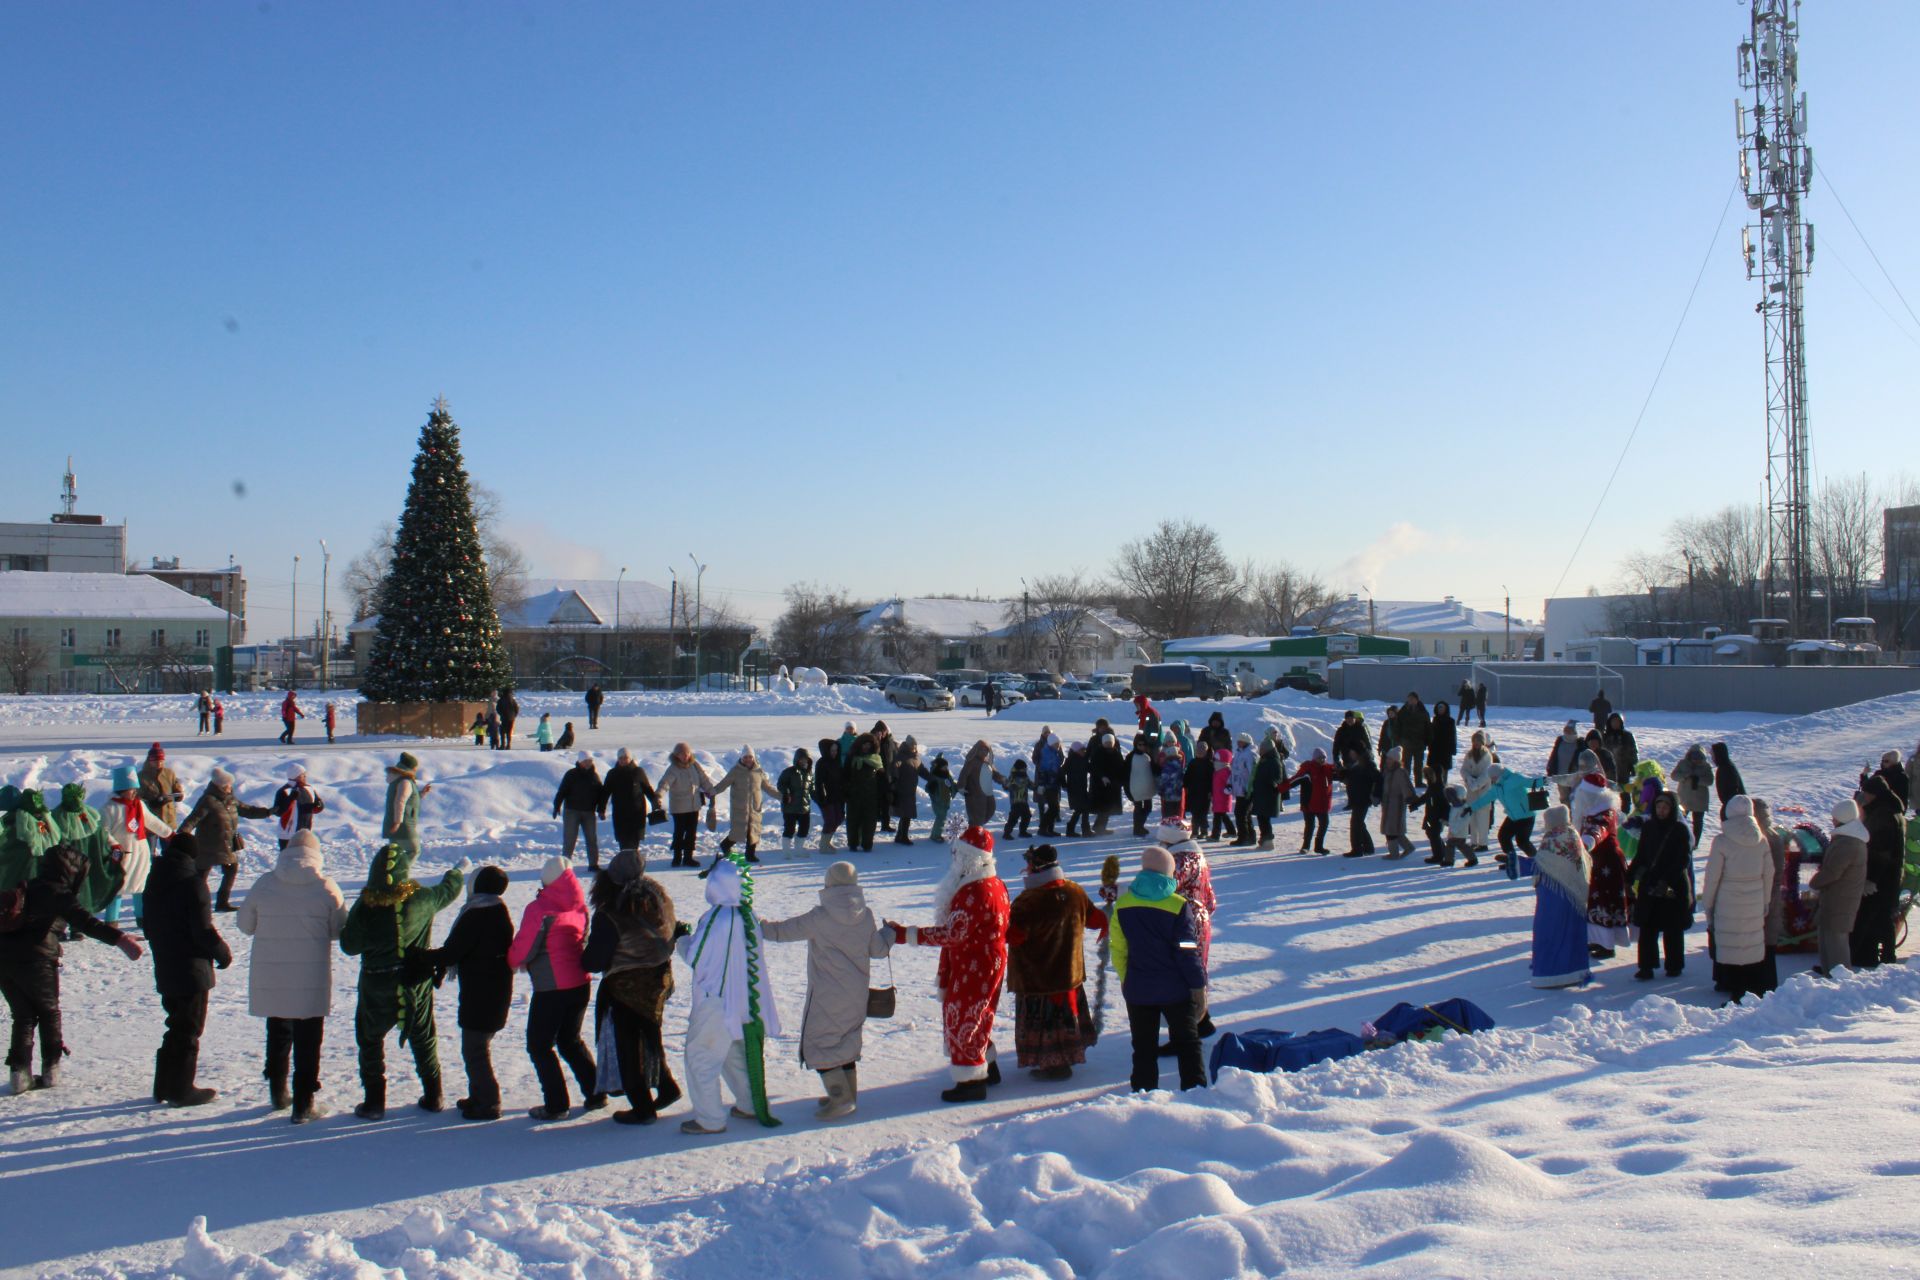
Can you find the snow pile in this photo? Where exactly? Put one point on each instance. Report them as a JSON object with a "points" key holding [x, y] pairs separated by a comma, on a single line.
{"points": [[1730, 1136]]}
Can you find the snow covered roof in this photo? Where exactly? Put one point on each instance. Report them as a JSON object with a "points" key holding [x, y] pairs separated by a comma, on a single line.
{"points": [[949, 619], [1404, 617], [1220, 644], [583, 602], [25, 594]]}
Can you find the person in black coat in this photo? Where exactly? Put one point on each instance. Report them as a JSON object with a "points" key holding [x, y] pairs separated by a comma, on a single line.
{"points": [[579, 804], [476, 950], [1727, 782], [1106, 781], [830, 791], [1350, 738], [883, 742], [594, 699], [1879, 916], [186, 950], [507, 707], [1608, 765], [1077, 775], [1362, 780], [1662, 880], [1200, 791], [1896, 777], [30, 963], [1443, 741], [628, 793]]}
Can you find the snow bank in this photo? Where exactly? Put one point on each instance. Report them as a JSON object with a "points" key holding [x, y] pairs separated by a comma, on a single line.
{"points": [[1509, 1153]]}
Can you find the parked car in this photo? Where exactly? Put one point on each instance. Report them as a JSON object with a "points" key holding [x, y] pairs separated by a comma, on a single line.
{"points": [[1305, 681], [1039, 690], [1043, 677], [857, 681], [1084, 691], [1117, 686], [1182, 680], [1007, 677], [918, 693], [975, 695]]}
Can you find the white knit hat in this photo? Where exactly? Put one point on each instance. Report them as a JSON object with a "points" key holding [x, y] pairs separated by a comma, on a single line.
{"points": [[552, 869]]}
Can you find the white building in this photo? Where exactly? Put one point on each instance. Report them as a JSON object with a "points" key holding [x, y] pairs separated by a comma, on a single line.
{"points": [[104, 632], [64, 544], [1432, 629]]}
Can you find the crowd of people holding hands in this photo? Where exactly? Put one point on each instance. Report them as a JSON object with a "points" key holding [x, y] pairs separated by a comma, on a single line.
{"points": [[1615, 857]]}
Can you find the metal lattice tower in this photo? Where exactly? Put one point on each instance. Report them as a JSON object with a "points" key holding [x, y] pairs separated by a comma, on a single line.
{"points": [[1776, 167]]}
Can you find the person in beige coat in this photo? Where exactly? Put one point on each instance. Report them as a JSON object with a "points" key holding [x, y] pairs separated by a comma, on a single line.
{"points": [[685, 789], [843, 939], [1476, 778], [1396, 793], [294, 914], [1842, 882], [1739, 880], [745, 787]]}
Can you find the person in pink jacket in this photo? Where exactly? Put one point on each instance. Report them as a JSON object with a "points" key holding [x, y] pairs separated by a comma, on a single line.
{"points": [[1223, 793], [551, 946]]}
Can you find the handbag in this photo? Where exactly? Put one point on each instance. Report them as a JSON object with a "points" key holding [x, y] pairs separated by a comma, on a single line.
{"points": [[880, 999], [1537, 799], [713, 819]]}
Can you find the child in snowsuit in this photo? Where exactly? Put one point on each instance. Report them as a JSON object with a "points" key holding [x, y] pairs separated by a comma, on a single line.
{"points": [[1019, 802], [1223, 794], [543, 732], [940, 789], [479, 729], [1156, 953], [1173, 778], [1046, 777], [476, 950], [796, 811]]}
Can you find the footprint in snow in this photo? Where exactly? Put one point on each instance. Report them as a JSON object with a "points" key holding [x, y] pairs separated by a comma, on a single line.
{"points": [[1898, 1169], [1642, 1161]]}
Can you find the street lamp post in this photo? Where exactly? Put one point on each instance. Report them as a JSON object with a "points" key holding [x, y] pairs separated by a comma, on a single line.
{"points": [[293, 626], [700, 573], [619, 646], [227, 595], [326, 563]]}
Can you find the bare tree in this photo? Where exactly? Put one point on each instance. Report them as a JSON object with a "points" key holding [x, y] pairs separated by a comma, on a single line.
{"points": [[1176, 581], [820, 627], [906, 648], [1275, 598], [506, 562], [1728, 554], [1063, 605], [22, 657], [1845, 525]]}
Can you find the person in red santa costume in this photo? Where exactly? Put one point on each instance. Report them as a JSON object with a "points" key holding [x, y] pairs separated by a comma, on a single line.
{"points": [[970, 928]]}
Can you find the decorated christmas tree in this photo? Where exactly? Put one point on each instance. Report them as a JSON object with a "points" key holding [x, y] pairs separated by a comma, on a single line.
{"points": [[439, 636]]}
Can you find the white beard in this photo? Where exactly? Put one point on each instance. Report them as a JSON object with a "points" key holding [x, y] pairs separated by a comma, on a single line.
{"points": [[969, 864]]}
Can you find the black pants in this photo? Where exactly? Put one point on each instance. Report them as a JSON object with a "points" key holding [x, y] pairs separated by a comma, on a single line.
{"points": [[179, 1054], [593, 717], [1223, 821], [506, 735], [1049, 808], [1699, 824], [32, 991], [1416, 760], [1313, 832], [1266, 829], [1021, 815], [1874, 926], [1182, 1030], [204, 718], [686, 831], [1675, 942], [1516, 831], [1359, 839], [553, 1033], [476, 1056], [860, 831], [1443, 763], [1077, 818], [796, 825], [223, 898], [286, 733], [1142, 810], [295, 1043]]}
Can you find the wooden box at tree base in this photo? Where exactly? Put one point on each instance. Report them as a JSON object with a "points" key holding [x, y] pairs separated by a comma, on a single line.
{"points": [[418, 719]]}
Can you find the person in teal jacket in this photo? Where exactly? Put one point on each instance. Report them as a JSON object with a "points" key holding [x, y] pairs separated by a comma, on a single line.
{"points": [[1511, 788], [390, 921]]}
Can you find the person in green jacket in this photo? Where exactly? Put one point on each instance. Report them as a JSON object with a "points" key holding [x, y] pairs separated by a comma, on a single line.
{"points": [[866, 793], [77, 823], [796, 806], [26, 833], [390, 921]]}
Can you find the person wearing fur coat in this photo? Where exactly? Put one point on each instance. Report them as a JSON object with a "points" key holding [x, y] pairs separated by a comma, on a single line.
{"points": [[1046, 967], [1595, 812], [970, 928], [745, 786]]}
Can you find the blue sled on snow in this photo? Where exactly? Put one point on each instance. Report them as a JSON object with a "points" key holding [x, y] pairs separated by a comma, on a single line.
{"points": [[1267, 1051]]}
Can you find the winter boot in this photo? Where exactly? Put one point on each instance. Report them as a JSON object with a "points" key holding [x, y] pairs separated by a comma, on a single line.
{"points": [[852, 1071], [194, 1095], [967, 1091], [21, 1080], [839, 1095], [279, 1098], [49, 1074], [375, 1105], [669, 1091], [430, 1096], [993, 1071], [1266, 846], [307, 1110]]}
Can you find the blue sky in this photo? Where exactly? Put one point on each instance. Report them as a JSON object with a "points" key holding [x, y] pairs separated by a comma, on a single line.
{"points": [[911, 298]]}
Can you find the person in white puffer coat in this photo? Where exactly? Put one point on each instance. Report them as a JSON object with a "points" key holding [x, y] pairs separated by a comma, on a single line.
{"points": [[294, 914], [1476, 777], [1734, 898]]}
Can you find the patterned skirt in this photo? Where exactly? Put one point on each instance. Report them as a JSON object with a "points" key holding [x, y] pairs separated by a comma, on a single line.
{"points": [[1053, 1030]]}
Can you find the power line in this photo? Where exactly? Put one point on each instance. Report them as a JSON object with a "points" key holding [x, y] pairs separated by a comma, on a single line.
{"points": [[1899, 326], [1646, 403], [1835, 192]]}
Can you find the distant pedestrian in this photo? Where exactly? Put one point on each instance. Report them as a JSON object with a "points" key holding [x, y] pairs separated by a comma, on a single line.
{"points": [[330, 722], [219, 717], [594, 699], [204, 705], [580, 804], [290, 714], [295, 804], [508, 708]]}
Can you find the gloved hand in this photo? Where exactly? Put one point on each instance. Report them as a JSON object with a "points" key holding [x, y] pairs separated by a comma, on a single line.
{"points": [[466, 866], [681, 929], [224, 962]]}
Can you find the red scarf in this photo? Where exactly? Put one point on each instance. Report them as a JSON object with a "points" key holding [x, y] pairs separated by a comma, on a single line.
{"points": [[136, 817]]}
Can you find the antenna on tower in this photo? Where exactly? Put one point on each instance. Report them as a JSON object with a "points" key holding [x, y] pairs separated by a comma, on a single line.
{"points": [[69, 491], [1776, 170]]}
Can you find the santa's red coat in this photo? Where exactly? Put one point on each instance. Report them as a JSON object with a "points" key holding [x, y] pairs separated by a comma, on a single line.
{"points": [[973, 967]]}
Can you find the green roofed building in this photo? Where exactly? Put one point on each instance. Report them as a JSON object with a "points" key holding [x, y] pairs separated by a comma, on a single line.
{"points": [[1262, 661]]}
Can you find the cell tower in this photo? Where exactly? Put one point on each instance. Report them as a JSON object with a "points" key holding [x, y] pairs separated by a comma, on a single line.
{"points": [[1776, 167]]}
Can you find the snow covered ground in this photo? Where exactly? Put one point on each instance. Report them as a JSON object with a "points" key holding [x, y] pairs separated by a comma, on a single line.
{"points": [[1592, 1128]]}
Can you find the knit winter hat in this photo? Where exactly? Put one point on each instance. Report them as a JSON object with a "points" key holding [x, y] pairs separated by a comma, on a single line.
{"points": [[490, 879], [1053, 740], [1156, 858], [621, 756], [406, 763], [584, 758], [296, 772], [1586, 762], [1042, 856], [124, 779], [156, 752], [221, 778], [1245, 740], [840, 873], [1844, 812], [1889, 758], [552, 869], [626, 867], [1558, 817]]}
